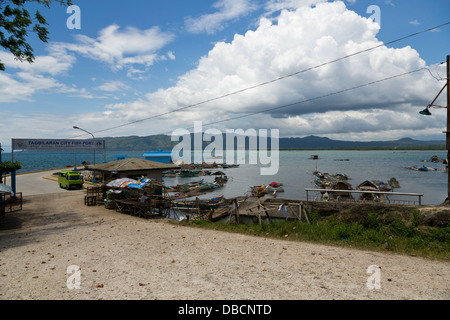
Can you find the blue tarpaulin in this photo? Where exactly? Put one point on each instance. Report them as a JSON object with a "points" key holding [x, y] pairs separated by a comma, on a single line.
{"points": [[140, 183]]}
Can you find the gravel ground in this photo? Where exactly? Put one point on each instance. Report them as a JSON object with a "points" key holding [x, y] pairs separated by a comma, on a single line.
{"points": [[59, 249]]}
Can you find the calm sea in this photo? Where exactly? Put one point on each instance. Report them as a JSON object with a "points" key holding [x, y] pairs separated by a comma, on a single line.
{"points": [[295, 170]]}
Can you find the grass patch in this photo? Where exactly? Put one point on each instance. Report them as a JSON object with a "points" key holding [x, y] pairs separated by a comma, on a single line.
{"points": [[375, 232]]}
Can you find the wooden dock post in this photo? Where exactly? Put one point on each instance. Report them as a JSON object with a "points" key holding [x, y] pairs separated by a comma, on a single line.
{"points": [[292, 210], [198, 206], [306, 216], [236, 208], [267, 212], [300, 210], [234, 211]]}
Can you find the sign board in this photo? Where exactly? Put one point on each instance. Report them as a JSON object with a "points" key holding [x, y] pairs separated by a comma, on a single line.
{"points": [[57, 144]]}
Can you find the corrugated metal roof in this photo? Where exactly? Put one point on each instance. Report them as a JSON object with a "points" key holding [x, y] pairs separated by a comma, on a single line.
{"points": [[132, 164]]}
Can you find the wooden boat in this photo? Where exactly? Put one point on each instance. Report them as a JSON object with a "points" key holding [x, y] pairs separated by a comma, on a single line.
{"points": [[221, 179], [170, 173], [424, 169], [226, 166], [207, 186], [340, 176], [382, 186], [189, 173], [277, 189], [275, 186], [323, 180], [185, 187], [259, 191]]}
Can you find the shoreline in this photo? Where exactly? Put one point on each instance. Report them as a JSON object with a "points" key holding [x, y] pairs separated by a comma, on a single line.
{"points": [[295, 188]]}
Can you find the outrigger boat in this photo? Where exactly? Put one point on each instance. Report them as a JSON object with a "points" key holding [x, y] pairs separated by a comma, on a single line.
{"points": [[189, 173], [261, 190], [226, 166], [275, 186]]}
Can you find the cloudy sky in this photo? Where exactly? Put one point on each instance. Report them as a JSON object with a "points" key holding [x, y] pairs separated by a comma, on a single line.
{"points": [[150, 67]]}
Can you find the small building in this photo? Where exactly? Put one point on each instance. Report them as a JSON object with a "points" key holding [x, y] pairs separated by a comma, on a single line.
{"points": [[131, 168], [159, 156], [367, 186], [342, 185]]}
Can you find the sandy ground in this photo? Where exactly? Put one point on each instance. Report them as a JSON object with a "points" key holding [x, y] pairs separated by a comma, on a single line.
{"points": [[125, 257]]}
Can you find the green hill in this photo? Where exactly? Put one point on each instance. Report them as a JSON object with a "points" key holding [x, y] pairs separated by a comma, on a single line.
{"points": [[152, 143]]}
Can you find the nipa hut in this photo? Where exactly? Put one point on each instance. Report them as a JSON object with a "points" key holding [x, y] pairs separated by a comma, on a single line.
{"points": [[342, 185], [368, 186], [133, 168]]}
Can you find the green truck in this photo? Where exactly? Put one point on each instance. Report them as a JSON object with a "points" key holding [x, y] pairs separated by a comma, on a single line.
{"points": [[68, 179]]}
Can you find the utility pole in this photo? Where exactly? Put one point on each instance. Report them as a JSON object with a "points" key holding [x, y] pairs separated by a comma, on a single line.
{"points": [[426, 112], [447, 133], [1, 173], [93, 138]]}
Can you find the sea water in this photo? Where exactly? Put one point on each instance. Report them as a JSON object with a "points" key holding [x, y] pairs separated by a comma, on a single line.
{"points": [[295, 170]]}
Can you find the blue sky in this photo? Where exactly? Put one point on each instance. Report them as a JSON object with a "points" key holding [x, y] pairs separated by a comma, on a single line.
{"points": [[139, 59]]}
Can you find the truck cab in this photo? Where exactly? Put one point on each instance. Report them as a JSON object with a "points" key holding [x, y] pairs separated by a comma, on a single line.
{"points": [[68, 179]]}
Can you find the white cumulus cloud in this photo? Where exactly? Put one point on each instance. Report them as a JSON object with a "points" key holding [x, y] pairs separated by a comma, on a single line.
{"points": [[121, 48], [297, 40], [290, 37], [226, 10]]}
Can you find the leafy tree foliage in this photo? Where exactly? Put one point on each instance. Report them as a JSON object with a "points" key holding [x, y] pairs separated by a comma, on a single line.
{"points": [[8, 166], [15, 24]]}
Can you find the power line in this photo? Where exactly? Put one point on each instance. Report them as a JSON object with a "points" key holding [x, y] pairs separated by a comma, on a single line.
{"points": [[309, 100], [303, 101], [272, 81]]}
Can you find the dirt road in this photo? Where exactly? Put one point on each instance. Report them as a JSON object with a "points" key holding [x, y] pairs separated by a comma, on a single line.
{"points": [[56, 239]]}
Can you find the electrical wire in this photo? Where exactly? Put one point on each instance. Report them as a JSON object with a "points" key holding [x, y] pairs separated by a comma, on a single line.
{"points": [[300, 102], [269, 82], [308, 100]]}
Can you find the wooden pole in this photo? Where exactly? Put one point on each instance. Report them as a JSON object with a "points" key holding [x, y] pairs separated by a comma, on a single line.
{"points": [[300, 209], [447, 134], [306, 215], [292, 210], [267, 213], [236, 207], [198, 206]]}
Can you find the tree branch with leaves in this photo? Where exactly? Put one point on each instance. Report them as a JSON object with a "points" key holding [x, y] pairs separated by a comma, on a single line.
{"points": [[15, 24]]}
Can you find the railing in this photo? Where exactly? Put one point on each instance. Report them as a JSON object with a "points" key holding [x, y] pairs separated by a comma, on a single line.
{"points": [[376, 194]]}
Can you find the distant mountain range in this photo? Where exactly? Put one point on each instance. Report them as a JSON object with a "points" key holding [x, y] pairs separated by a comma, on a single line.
{"points": [[153, 143], [313, 142]]}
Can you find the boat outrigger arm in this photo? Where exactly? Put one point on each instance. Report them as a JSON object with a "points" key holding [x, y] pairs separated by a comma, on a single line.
{"points": [[426, 111]]}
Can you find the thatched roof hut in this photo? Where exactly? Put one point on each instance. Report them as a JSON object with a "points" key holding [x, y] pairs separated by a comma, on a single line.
{"points": [[367, 185], [131, 168], [342, 185]]}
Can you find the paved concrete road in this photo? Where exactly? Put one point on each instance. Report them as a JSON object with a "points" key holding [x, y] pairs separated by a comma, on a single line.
{"points": [[37, 183]]}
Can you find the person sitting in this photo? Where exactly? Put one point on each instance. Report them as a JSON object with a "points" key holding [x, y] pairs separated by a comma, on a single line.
{"points": [[144, 198]]}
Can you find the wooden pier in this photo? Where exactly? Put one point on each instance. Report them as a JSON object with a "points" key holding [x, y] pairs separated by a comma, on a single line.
{"points": [[259, 209], [381, 195]]}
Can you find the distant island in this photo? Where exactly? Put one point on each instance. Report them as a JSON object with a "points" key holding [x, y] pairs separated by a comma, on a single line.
{"points": [[155, 142]]}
